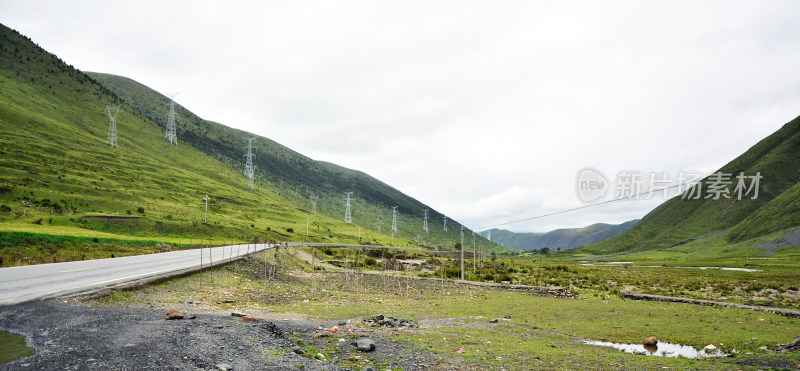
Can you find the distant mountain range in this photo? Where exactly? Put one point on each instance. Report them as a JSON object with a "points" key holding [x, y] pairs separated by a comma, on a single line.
{"points": [[559, 239]]}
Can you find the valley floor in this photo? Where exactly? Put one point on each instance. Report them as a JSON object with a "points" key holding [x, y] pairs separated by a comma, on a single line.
{"points": [[460, 327]]}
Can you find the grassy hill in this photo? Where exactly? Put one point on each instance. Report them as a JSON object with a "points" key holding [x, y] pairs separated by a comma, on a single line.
{"points": [[679, 220], [293, 175], [559, 239], [62, 178]]}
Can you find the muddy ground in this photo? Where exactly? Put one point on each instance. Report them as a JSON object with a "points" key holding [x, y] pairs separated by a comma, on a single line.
{"points": [[69, 335]]}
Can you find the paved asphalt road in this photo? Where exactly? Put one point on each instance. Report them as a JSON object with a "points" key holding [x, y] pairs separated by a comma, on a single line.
{"points": [[20, 284]]}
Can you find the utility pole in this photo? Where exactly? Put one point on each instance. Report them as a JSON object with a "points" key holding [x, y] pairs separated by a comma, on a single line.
{"points": [[474, 264], [425, 222], [249, 168], [112, 125], [171, 135], [348, 218], [462, 252], [205, 217]]}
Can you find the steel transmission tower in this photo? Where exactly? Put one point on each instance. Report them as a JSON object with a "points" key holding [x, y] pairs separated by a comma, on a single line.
{"points": [[171, 135], [348, 218], [314, 200], [249, 168], [490, 235], [425, 222], [445, 223], [112, 125], [378, 225], [394, 219]]}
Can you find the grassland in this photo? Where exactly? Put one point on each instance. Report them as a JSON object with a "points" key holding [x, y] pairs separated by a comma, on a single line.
{"points": [[540, 332]]}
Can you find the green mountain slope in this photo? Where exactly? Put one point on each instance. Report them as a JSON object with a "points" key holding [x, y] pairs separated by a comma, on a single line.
{"points": [[559, 239], [60, 176], [293, 175], [776, 158]]}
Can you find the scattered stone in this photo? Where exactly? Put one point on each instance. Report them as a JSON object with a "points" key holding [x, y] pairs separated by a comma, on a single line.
{"points": [[365, 345], [191, 316], [334, 329], [342, 323], [237, 314], [249, 319], [173, 314], [224, 367], [494, 320], [507, 317], [651, 341]]}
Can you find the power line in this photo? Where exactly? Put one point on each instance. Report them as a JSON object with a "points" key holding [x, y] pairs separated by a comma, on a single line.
{"points": [[576, 208]]}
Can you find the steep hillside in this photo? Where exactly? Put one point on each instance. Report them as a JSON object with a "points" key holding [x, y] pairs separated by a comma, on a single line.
{"points": [[292, 174], [560, 239], [61, 176], [776, 158]]}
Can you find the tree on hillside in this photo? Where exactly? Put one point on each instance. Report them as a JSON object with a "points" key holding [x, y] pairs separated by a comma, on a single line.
{"points": [[545, 250]]}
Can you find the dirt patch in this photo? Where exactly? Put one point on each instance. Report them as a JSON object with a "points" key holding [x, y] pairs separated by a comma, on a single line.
{"points": [[791, 238], [111, 218]]}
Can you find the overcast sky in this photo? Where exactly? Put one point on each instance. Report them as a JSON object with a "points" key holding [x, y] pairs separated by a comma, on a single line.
{"points": [[484, 110]]}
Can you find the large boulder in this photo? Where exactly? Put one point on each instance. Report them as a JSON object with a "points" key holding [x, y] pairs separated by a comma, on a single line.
{"points": [[173, 314], [365, 345]]}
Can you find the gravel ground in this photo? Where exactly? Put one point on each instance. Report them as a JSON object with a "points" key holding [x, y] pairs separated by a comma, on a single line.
{"points": [[69, 335]]}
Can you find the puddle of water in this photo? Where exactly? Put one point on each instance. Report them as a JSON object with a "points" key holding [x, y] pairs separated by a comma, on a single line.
{"points": [[13, 347], [666, 266], [662, 349]]}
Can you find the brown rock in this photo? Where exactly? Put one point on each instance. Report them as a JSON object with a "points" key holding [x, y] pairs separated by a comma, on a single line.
{"points": [[651, 341], [174, 314], [249, 319]]}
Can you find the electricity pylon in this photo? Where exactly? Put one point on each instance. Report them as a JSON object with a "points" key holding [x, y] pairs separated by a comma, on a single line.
{"points": [[171, 135], [425, 222], [394, 219], [378, 225], [348, 218], [112, 125], [314, 200], [205, 216], [249, 168], [445, 222]]}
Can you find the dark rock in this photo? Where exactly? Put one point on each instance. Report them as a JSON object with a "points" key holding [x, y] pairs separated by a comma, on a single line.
{"points": [[494, 320], [342, 323], [173, 314], [507, 317], [365, 345], [378, 317]]}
